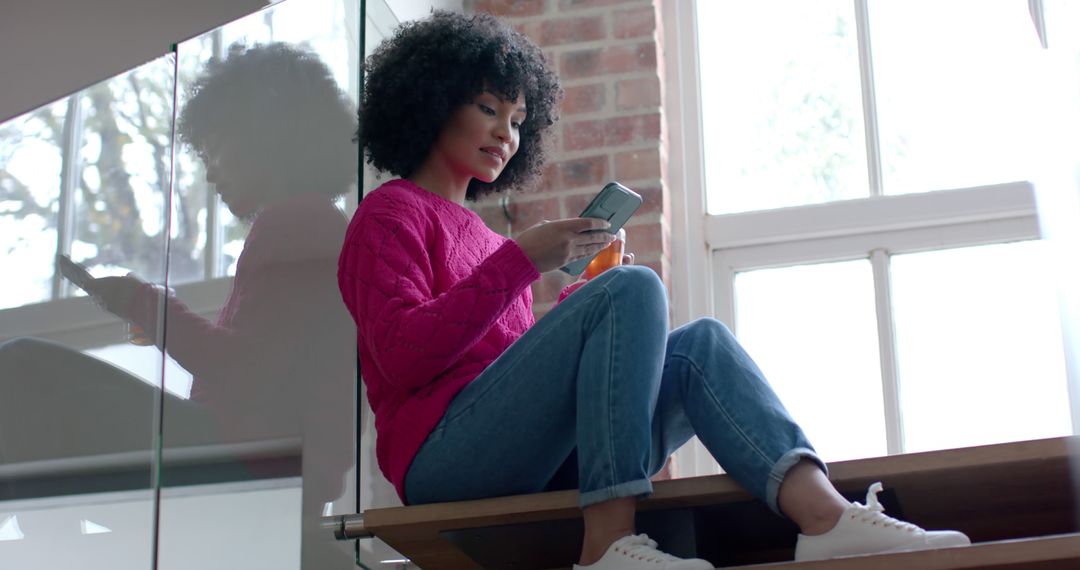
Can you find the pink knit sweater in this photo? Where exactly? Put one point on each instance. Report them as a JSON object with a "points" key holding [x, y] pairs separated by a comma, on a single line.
{"points": [[437, 297]]}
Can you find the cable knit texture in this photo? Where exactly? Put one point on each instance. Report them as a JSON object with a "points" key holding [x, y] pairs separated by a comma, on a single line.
{"points": [[437, 297]]}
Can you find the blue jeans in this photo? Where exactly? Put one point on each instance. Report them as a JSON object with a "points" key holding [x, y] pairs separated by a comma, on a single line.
{"points": [[601, 377]]}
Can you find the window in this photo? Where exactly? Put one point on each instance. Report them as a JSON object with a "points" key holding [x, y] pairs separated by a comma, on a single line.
{"points": [[861, 166], [92, 175], [89, 174]]}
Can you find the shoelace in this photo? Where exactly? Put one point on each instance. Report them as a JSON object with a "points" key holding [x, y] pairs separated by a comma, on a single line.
{"points": [[641, 547], [874, 513]]}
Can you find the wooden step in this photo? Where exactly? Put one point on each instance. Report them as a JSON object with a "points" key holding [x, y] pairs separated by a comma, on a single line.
{"points": [[1048, 552], [992, 493]]}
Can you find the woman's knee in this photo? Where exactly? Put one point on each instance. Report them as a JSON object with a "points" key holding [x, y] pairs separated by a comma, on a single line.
{"points": [[636, 284], [644, 276], [711, 333]]}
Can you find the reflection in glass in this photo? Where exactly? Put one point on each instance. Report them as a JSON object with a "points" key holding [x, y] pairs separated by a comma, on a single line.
{"points": [[31, 161], [979, 345], [87, 176], [123, 168], [813, 331], [781, 110], [10, 530], [953, 95], [257, 417], [267, 127]]}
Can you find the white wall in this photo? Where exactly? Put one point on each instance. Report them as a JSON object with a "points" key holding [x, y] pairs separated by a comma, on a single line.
{"points": [[51, 48]]}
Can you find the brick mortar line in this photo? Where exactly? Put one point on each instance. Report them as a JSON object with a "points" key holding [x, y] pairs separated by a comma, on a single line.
{"points": [[559, 49], [644, 145], [587, 190], [605, 114], [552, 7], [643, 112], [610, 78], [605, 12], [593, 9], [607, 41]]}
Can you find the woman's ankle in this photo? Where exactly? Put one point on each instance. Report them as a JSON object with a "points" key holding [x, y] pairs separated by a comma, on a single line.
{"points": [[596, 545], [808, 498], [605, 523]]}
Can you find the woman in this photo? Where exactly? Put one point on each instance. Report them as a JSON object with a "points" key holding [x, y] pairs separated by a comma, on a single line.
{"points": [[472, 398]]}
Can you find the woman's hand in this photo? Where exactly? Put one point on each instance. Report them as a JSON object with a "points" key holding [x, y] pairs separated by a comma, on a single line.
{"points": [[551, 245], [115, 294]]}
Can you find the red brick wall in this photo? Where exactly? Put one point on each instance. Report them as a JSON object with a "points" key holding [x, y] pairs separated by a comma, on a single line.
{"points": [[612, 128]]}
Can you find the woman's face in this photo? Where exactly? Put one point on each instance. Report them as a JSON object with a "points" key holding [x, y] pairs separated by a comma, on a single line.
{"points": [[236, 176], [481, 136]]}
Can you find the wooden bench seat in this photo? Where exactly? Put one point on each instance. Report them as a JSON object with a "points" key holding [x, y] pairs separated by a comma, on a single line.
{"points": [[993, 493]]}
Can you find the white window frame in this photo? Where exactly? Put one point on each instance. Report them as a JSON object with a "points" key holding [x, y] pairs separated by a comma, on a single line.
{"points": [[75, 321], [708, 250]]}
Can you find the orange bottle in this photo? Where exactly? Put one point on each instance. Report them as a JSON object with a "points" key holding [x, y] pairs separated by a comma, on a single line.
{"points": [[610, 256], [137, 336]]}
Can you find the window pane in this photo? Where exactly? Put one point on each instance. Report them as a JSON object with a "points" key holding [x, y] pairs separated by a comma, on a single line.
{"points": [[952, 105], [781, 104], [1062, 21], [124, 171], [31, 156], [979, 345], [813, 331]]}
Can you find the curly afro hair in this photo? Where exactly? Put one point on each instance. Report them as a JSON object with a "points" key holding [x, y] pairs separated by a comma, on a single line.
{"points": [[279, 102], [420, 76]]}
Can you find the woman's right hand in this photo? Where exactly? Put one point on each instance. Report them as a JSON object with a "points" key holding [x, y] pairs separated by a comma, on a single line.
{"points": [[115, 294], [551, 245]]}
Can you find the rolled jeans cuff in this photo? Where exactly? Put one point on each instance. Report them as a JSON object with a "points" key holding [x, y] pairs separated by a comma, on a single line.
{"points": [[779, 471], [636, 488]]}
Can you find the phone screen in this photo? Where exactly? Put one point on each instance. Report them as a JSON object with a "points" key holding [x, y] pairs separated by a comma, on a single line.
{"points": [[74, 272]]}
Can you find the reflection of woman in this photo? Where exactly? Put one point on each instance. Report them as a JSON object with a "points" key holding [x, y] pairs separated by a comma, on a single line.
{"points": [[269, 124], [472, 398], [278, 362]]}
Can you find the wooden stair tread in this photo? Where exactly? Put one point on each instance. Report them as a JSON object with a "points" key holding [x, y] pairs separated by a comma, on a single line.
{"points": [[1039, 552], [712, 489], [994, 492]]}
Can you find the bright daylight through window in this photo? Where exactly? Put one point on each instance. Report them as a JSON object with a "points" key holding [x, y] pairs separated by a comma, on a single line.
{"points": [[868, 173]]}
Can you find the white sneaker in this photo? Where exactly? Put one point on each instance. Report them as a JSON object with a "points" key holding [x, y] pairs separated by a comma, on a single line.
{"points": [[867, 530], [638, 552]]}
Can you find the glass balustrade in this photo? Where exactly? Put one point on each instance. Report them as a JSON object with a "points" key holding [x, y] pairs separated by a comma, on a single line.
{"points": [[178, 371], [84, 206]]}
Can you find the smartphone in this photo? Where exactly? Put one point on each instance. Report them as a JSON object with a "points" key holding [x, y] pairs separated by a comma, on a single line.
{"points": [[615, 203], [74, 272]]}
